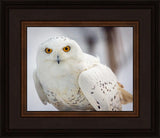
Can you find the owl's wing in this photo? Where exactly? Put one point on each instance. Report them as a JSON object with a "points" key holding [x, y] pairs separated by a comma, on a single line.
{"points": [[39, 89], [100, 87]]}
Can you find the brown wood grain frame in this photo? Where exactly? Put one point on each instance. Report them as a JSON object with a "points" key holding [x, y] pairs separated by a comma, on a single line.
{"points": [[17, 15], [25, 24]]}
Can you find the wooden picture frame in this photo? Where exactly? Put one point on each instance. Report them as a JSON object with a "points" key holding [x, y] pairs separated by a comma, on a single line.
{"points": [[16, 15], [25, 24]]}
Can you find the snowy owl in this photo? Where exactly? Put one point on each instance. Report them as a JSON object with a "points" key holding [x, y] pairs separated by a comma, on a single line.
{"points": [[72, 80]]}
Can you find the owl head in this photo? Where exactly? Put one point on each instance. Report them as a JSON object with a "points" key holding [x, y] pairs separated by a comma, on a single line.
{"points": [[58, 50]]}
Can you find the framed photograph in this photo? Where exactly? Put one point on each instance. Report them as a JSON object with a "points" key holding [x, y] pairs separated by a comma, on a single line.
{"points": [[84, 32], [56, 56]]}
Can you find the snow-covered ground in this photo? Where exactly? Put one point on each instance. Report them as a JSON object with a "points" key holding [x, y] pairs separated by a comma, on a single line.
{"points": [[37, 35]]}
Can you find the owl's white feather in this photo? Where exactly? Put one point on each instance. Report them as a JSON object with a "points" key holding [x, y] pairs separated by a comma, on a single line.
{"points": [[74, 80], [39, 89], [99, 85]]}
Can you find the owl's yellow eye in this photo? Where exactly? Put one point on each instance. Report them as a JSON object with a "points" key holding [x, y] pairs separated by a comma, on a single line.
{"points": [[48, 50], [67, 49]]}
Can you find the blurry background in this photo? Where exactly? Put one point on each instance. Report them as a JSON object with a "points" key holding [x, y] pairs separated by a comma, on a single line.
{"points": [[113, 45]]}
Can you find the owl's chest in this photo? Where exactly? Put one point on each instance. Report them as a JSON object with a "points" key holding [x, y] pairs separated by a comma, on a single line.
{"points": [[63, 82], [59, 77], [61, 86], [65, 93]]}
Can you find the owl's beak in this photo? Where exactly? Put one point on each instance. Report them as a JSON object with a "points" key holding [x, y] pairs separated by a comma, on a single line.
{"points": [[58, 60]]}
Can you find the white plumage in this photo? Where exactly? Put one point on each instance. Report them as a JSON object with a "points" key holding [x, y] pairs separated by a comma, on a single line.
{"points": [[72, 80]]}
